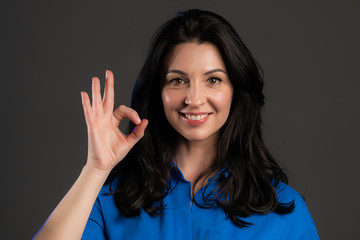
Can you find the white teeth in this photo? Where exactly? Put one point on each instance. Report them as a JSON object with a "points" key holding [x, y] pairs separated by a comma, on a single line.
{"points": [[195, 117]]}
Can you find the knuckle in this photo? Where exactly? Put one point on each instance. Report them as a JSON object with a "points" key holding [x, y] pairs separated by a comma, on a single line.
{"points": [[140, 135], [118, 114]]}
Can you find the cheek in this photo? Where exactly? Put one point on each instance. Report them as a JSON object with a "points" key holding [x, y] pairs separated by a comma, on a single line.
{"points": [[166, 98], [222, 100], [171, 99]]}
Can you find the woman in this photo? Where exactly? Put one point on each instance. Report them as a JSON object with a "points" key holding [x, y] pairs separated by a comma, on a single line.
{"points": [[200, 170]]}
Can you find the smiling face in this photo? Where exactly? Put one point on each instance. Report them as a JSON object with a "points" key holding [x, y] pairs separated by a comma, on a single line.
{"points": [[197, 92]]}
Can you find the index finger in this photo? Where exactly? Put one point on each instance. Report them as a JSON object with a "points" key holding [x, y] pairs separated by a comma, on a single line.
{"points": [[125, 112]]}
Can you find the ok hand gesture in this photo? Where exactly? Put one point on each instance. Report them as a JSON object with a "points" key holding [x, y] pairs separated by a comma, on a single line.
{"points": [[107, 145]]}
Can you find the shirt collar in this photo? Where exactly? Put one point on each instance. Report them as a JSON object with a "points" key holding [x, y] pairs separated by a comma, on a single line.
{"points": [[177, 174]]}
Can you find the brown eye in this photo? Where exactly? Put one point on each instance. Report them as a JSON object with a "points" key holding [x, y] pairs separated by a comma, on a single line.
{"points": [[177, 81], [214, 81]]}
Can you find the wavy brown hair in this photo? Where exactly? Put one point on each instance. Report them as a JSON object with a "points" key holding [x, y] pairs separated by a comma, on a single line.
{"points": [[252, 174]]}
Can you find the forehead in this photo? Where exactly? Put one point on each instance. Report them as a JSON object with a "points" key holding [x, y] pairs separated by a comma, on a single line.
{"points": [[191, 56]]}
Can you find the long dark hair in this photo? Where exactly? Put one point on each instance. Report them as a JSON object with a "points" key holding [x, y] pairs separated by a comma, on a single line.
{"points": [[252, 174]]}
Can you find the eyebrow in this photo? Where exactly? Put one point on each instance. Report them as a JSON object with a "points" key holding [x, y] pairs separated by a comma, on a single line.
{"points": [[185, 74]]}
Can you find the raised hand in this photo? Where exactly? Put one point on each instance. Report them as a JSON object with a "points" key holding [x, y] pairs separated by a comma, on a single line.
{"points": [[107, 145]]}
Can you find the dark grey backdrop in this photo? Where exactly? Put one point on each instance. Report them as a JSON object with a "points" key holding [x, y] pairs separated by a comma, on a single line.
{"points": [[50, 50]]}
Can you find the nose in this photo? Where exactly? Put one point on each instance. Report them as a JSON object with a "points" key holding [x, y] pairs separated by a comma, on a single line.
{"points": [[195, 95]]}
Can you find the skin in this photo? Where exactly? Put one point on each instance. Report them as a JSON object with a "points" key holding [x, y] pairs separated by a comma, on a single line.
{"points": [[107, 145], [196, 83]]}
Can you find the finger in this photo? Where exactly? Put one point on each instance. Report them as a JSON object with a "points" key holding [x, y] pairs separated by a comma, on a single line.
{"points": [[137, 133], [125, 112], [96, 96], [108, 103], [87, 107]]}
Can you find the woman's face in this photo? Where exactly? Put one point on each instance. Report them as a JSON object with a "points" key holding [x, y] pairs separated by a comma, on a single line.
{"points": [[197, 92]]}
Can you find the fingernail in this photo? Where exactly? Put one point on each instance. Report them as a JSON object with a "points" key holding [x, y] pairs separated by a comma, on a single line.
{"points": [[139, 120], [106, 73]]}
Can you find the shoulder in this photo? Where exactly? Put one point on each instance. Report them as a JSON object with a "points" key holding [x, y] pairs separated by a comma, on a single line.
{"points": [[285, 193], [299, 221]]}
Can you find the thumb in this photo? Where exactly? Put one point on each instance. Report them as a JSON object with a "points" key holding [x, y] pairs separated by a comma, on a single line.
{"points": [[137, 133]]}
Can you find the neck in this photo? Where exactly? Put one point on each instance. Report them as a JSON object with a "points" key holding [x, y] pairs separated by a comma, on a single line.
{"points": [[195, 157]]}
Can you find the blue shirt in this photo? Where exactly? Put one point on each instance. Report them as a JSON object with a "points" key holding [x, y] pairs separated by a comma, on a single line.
{"points": [[185, 222]]}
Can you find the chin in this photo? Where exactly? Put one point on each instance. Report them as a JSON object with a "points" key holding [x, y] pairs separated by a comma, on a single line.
{"points": [[197, 137]]}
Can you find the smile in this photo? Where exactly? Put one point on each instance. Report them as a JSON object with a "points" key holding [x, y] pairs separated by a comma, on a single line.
{"points": [[196, 117]]}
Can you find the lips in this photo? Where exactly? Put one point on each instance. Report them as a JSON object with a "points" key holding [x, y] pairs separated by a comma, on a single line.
{"points": [[195, 118]]}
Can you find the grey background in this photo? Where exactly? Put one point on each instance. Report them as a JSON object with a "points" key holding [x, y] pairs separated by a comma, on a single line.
{"points": [[50, 50]]}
